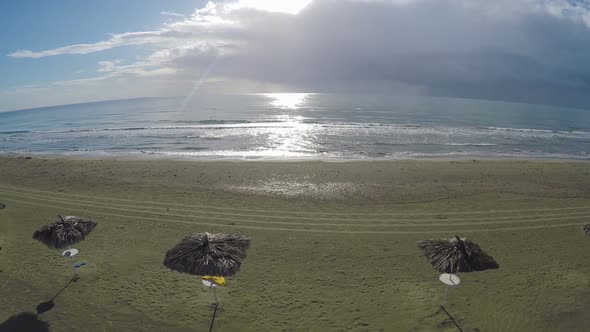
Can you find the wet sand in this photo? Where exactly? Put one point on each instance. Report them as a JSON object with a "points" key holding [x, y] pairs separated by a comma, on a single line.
{"points": [[333, 243]]}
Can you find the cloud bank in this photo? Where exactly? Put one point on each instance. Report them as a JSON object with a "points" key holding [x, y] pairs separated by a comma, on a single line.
{"points": [[533, 51]]}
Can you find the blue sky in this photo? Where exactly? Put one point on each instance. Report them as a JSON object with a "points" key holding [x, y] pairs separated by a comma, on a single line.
{"points": [[37, 25], [70, 51]]}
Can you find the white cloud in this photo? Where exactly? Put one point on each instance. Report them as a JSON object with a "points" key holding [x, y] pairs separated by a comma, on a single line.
{"points": [[72, 49], [288, 7], [122, 39], [172, 14], [209, 9], [108, 66], [212, 16]]}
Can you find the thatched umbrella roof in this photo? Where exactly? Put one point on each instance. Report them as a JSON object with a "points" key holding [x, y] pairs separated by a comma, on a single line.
{"points": [[456, 255], [208, 254], [64, 232], [586, 229]]}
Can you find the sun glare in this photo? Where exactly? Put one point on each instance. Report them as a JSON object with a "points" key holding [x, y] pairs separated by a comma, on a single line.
{"points": [[287, 100]]}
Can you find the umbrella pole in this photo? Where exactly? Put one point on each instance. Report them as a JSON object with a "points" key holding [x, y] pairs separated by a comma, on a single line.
{"points": [[445, 296], [214, 310], [73, 264], [452, 319]]}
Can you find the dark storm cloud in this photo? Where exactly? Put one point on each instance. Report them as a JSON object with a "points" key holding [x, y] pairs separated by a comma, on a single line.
{"points": [[509, 50]]}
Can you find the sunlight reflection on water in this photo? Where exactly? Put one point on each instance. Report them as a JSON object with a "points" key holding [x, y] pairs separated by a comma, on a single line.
{"points": [[287, 100]]}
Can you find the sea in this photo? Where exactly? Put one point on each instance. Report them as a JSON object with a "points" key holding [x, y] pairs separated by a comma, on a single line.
{"points": [[293, 126]]}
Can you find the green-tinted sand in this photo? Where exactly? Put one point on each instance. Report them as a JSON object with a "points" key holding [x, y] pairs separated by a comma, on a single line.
{"points": [[333, 244]]}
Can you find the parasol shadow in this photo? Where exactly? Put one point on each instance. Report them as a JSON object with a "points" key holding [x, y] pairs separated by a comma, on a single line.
{"points": [[24, 321], [48, 305]]}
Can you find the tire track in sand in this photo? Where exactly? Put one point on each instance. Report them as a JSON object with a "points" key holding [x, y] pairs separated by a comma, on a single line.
{"points": [[298, 212], [233, 225]]}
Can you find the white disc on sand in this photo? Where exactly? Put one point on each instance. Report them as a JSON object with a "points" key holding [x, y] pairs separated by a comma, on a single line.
{"points": [[209, 283], [70, 252], [449, 279]]}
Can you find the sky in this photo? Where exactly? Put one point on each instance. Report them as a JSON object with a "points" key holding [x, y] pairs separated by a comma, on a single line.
{"points": [[71, 51]]}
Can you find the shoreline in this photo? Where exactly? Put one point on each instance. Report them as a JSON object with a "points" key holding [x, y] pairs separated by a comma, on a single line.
{"points": [[148, 157]]}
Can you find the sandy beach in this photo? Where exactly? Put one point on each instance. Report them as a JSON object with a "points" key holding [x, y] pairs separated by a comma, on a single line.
{"points": [[333, 243]]}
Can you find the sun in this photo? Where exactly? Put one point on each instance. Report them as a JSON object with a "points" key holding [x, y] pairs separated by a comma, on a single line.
{"points": [[282, 6]]}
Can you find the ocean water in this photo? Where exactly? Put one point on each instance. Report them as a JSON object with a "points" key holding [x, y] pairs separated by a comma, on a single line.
{"points": [[299, 126]]}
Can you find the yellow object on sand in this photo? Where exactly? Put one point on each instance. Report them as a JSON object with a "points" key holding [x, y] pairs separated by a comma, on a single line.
{"points": [[219, 281]]}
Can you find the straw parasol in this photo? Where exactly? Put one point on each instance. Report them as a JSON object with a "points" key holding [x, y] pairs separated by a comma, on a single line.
{"points": [[210, 255], [206, 254], [586, 229], [456, 255], [64, 232]]}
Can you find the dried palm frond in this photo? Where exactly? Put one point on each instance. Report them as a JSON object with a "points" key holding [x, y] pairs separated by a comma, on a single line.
{"points": [[456, 255], [64, 232], [208, 254]]}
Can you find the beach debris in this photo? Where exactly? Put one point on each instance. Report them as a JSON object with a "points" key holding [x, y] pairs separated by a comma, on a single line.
{"points": [[2, 206], [586, 229], [456, 255], [65, 232], [81, 264], [213, 256]]}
